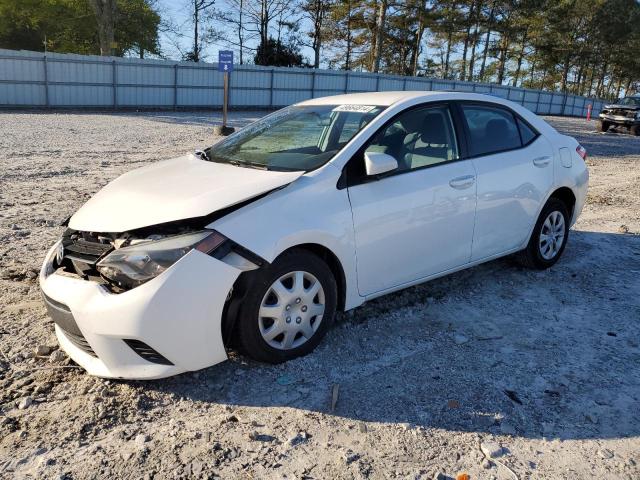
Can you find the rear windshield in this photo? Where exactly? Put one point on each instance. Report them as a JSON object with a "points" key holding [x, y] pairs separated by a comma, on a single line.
{"points": [[294, 138]]}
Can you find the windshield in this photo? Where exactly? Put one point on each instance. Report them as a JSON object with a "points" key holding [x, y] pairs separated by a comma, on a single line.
{"points": [[630, 101], [294, 138]]}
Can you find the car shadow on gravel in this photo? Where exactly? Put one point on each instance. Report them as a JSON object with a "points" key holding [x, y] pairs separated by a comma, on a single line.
{"points": [[496, 348]]}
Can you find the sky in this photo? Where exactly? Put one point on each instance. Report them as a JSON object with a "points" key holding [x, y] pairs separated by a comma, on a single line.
{"points": [[179, 13]]}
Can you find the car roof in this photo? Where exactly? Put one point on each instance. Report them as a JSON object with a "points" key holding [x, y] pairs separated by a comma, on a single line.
{"points": [[387, 99], [366, 98]]}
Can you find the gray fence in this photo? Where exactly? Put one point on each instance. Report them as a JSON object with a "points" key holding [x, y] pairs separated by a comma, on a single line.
{"points": [[33, 79]]}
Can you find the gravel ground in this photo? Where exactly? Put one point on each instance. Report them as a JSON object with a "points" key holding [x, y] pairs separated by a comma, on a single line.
{"points": [[496, 371]]}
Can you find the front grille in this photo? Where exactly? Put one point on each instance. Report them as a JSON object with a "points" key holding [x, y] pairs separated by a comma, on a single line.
{"points": [[146, 352], [82, 251], [622, 112], [62, 316], [85, 251]]}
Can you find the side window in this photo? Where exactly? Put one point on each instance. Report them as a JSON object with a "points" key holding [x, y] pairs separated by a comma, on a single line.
{"points": [[526, 133], [491, 129], [418, 138]]}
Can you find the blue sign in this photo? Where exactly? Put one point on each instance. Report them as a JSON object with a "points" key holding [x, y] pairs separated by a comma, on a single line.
{"points": [[225, 61]]}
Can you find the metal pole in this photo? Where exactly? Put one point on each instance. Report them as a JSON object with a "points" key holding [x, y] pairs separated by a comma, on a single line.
{"points": [[225, 100], [271, 89], [115, 86], [175, 86], [46, 80]]}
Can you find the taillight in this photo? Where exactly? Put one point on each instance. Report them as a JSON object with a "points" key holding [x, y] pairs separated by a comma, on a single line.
{"points": [[582, 152]]}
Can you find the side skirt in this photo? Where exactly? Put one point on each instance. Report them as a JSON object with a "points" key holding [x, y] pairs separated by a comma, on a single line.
{"points": [[441, 274]]}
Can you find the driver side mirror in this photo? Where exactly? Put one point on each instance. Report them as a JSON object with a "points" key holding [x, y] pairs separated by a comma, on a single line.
{"points": [[377, 162]]}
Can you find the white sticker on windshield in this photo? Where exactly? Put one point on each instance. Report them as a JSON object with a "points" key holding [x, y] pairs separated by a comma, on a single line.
{"points": [[354, 108]]}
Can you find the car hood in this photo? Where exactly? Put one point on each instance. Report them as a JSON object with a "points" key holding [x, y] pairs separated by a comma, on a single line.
{"points": [[185, 187]]}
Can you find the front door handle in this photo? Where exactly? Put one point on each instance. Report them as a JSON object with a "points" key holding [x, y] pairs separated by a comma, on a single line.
{"points": [[542, 161], [460, 183]]}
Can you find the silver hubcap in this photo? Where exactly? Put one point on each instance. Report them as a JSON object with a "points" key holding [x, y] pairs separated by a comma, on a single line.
{"points": [[552, 235], [291, 310]]}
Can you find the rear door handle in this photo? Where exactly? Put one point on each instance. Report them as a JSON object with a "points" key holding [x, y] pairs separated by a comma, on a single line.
{"points": [[542, 161], [460, 183]]}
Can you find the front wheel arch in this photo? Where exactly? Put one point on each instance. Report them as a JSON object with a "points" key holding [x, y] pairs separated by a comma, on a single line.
{"points": [[247, 333], [244, 281]]}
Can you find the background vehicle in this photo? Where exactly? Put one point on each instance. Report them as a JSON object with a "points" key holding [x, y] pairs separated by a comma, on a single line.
{"points": [[625, 113], [321, 206]]}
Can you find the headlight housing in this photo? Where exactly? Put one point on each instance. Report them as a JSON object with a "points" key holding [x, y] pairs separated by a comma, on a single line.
{"points": [[136, 264]]}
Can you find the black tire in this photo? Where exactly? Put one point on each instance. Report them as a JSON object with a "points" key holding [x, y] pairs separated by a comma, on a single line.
{"points": [[603, 126], [250, 339], [532, 257], [635, 130]]}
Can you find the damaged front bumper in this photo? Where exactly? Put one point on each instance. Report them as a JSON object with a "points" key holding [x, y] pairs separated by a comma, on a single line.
{"points": [[169, 325], [627, 121]]}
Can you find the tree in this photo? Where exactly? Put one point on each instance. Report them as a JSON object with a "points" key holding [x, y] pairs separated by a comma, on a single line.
{"points": [[316, 11], [68, 26], [379, 35], [72, 26], [137, 28], [340, 33], [234, 14], [276, 54], [199, 13], [105, 11]]}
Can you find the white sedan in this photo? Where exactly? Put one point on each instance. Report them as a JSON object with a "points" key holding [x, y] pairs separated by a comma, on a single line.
{"points": [[258, 240]]}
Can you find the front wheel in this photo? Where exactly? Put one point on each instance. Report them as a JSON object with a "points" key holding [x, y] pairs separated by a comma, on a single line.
{"points": [[289, 307], [635, 130], [603, 126], [549, 237]]}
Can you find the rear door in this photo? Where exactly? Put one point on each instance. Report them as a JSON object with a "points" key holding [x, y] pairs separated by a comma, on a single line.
{"points": [[514, 166], [415, 221]]}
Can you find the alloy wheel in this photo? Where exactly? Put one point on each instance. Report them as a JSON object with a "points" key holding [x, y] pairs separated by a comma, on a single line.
{"points": [[552, 235]]}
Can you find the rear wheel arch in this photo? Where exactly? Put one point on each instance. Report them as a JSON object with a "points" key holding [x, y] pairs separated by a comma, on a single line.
{"points": [[532, 255], [566, 196]]}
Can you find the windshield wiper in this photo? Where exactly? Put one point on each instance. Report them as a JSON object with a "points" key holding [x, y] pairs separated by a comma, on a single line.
{"points": [[202, 154], [237, 163], [231, 161]]}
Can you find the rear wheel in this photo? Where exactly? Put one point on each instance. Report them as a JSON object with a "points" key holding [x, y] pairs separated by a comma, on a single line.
{"points": [[549, 237], [635, 130], [603, 126], [289, 307]]}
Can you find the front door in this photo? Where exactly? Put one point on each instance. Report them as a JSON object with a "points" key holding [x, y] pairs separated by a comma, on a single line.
{"points": [[418, 220]]}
